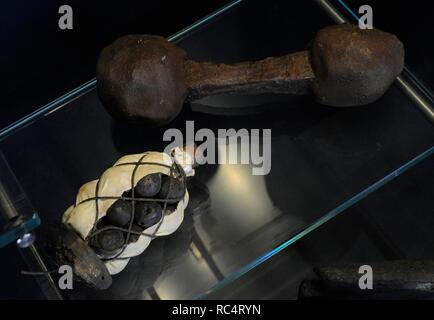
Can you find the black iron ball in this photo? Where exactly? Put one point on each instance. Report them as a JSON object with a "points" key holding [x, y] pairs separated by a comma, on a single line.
{"points": [[110, 240], [171, 188], [119, 213], [148, 186], [147, 214]]}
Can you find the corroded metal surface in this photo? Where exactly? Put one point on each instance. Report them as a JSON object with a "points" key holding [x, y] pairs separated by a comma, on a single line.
{"points": [[399, 279], [286, 74], [352, 66], [141, 78], [401, 274], [147, 78], [67, 248]]}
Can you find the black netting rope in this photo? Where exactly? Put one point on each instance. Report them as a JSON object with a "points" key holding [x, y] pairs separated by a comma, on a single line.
{"points": [[175, 171]]}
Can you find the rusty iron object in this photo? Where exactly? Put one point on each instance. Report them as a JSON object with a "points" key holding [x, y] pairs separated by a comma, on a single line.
{"points": [[67, 248], [398, 279], [353, 66], [146, 78]]}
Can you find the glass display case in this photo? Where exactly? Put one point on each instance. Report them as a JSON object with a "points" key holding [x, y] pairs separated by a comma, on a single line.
{"points": [[324, 160]]}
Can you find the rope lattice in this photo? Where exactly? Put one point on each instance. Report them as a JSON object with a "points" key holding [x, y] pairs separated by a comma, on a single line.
{"points": [[176, 171]]}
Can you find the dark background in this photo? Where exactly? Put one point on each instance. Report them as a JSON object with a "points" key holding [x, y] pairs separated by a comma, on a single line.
{"points": [[40, 62]]}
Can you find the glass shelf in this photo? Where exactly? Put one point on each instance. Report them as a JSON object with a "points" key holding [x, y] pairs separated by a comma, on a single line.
{"points": [[394, 223], [323, 159]]}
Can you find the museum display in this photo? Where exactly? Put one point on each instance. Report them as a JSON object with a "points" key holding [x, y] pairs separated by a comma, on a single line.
{"points": [[119, 214], [316, 153]]}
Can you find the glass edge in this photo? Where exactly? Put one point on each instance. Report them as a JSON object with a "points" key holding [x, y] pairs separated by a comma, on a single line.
{"points": [[337, 17], [319, 222], [65, 99]]}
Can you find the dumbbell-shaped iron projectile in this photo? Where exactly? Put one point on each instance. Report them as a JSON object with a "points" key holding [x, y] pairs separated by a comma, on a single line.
{"points": [[146, 78]]}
